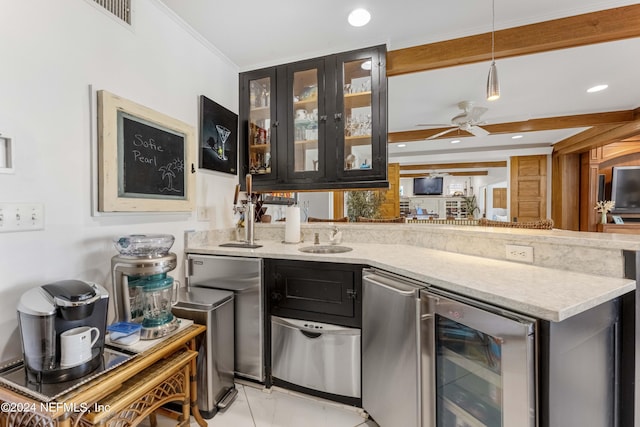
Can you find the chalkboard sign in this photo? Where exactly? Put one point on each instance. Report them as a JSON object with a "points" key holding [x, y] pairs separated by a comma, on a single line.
{"points": [[145, 158], [151, 162]]}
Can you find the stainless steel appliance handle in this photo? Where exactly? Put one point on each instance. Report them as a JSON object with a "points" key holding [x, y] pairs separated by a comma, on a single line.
{"points": [[428, 359], [390, 287], [313, 331]]}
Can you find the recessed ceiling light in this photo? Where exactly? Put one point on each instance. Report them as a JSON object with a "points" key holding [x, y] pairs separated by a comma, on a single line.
{"points": [[516, 137], [455, 141], [597, 88], [401, 145], [359, 17]]}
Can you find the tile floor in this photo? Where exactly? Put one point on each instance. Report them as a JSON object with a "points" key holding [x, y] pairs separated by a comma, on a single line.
{"points": [[258, 407]]}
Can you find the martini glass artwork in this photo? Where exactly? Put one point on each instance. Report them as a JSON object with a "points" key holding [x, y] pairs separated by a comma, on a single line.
{"points": [[223, 133]]}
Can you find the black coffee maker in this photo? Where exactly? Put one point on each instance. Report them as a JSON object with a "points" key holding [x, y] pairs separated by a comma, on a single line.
{"points": [[44, 313]]}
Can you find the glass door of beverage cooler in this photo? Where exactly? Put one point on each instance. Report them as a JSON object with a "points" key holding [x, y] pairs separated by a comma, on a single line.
{"points": [[482, 370]]}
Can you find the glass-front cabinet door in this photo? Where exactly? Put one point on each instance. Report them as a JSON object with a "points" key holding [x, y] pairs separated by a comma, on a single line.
{"points": [[361, 128], [484, 366], [258, 129], [306, 118], [316, 124]]}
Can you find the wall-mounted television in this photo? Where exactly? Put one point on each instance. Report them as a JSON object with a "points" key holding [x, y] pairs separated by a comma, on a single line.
{"points": [[427, 186], [625, 189]]}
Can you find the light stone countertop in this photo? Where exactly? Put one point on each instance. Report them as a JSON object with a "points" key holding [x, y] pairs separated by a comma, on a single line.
{"points": [[540, 292]]}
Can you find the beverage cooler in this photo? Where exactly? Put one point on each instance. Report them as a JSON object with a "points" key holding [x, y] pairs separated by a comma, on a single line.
{"points": [[480, 364], [476, 362]]}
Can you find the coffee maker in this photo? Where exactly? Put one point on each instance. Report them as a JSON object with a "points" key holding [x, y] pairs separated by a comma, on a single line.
{"points": [[46, 313], [142, 290]]}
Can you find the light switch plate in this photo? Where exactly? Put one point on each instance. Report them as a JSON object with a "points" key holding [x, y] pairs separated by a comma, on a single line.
{"points": [[21, 217], [203, 213]]}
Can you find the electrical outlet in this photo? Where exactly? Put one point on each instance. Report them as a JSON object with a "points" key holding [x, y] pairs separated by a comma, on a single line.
{"points": [[520, 253], [203, 213]]}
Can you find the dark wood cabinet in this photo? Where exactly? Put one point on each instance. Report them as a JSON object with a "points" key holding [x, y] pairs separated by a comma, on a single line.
{"points": [[316, 291], [316, 124]]}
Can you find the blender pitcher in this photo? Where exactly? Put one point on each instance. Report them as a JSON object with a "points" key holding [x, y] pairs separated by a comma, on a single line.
{"points": [[158, 295]]}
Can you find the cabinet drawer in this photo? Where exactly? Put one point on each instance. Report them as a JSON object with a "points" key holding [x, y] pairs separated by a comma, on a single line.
{"points": [[318, 291]]}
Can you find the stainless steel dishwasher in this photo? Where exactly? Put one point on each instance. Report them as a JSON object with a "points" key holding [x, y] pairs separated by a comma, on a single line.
{"points": [[391, 391], [243, 276], [317, 356]]}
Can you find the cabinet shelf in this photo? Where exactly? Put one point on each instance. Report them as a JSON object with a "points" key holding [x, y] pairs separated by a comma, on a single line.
{"points": [[477, 369], [260, 147], [307, 143], [260, 113], [462, 415], [357, 100], [358, 140], [304, 104]]}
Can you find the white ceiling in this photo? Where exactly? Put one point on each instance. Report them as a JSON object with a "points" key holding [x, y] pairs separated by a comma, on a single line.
{"points": [[254, 33]]}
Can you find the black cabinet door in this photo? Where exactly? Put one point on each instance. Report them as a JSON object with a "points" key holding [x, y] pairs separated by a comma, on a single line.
{"points": [[361, 112], [325, 126], [258, 142], [317, 291], [306, 130]]}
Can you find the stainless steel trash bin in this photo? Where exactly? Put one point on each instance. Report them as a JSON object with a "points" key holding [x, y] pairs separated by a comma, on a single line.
{"points": [[212, 308]]}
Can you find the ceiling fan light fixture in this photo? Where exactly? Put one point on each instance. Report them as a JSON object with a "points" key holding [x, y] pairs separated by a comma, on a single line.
{"points": [[359, 17]]}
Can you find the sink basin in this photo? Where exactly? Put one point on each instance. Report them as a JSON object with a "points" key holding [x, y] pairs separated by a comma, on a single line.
{"points": [[325, 249]]}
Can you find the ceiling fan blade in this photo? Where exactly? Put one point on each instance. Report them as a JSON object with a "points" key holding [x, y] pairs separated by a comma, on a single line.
{"points": [[444, 132], [478, 131]]}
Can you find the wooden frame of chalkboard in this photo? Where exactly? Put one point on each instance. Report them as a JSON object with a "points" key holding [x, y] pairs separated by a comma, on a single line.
{"points": [[145, 159]]}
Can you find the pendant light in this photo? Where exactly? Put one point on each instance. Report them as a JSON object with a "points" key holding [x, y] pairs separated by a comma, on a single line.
{"points": [[493, 86]]}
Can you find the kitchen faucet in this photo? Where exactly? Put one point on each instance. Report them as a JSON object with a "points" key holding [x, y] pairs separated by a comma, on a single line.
{"points": [[248, 210], [335, 236]]}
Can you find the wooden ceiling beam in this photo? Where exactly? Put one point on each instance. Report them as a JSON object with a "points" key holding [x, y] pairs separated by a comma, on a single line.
{"points": [[451, 173], [533, 125], [465, 165], [563, 122], [574, 31], [597, 137]]}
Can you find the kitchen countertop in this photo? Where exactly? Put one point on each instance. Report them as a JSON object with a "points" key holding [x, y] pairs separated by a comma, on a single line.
{"points": [[541, 292]]}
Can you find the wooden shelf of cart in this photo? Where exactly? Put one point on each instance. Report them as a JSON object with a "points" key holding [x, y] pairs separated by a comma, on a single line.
{"points": [[173, 359]]}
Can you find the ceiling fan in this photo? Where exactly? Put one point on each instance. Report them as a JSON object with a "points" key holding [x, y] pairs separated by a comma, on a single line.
{"points": [[468, 120]]}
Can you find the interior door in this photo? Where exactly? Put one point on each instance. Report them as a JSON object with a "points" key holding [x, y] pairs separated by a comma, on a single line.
{"points": [[528, 188]]}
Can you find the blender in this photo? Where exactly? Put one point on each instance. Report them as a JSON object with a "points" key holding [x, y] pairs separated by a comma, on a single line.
{"points": [[143, 293]]}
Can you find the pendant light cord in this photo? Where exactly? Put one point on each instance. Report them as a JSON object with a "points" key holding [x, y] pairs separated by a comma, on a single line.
{"points": [[493, 29]]}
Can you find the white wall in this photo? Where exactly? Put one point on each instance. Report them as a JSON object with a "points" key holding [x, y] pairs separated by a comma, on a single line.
{"points": [[51, 52]]}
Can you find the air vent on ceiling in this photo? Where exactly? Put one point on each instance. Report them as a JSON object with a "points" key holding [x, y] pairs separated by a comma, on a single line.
{"points": [[120, 8]]}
